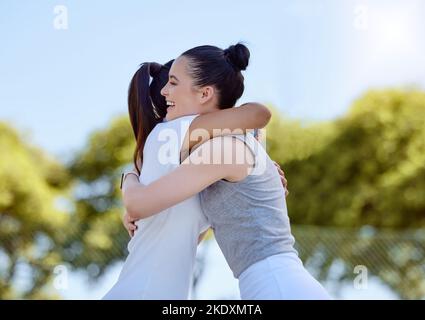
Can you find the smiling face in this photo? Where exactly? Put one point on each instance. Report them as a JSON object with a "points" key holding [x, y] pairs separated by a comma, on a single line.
{"points": [[181, 95]]}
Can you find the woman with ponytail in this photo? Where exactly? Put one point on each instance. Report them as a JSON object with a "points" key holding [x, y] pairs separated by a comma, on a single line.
{"points": [[243, 199]]}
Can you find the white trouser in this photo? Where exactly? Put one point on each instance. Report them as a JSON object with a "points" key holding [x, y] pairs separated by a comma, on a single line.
{"points": [[280, 277]]}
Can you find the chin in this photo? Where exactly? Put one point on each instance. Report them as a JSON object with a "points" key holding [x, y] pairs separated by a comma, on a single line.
{"points": [[169, 117], [173, 114], [177, 113]]}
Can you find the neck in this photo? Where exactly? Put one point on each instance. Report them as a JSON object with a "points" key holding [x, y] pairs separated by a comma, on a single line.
{"points": [[210, 108]]}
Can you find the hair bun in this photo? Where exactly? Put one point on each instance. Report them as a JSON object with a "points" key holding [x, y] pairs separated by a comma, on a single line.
{"points": [[238, 55]]}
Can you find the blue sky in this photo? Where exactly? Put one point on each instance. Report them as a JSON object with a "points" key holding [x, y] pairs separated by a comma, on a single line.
{"points": [[309, 58]]}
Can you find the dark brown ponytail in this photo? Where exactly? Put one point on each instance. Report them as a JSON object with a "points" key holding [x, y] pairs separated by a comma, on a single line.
{"points": [[146, 106]]}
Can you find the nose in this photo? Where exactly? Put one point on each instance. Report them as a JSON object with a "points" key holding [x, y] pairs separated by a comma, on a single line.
{"points": [[164, 91]]}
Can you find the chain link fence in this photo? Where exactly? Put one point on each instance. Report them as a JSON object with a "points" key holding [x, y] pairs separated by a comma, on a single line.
{"points": [[333, 255]]}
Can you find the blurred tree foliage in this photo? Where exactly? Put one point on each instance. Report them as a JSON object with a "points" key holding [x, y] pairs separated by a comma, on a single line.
{"points": [[367, 168], [98, 237], [31, 221]]}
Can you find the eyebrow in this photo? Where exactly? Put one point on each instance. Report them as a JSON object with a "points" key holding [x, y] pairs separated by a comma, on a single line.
{"points": [[174, 77]]}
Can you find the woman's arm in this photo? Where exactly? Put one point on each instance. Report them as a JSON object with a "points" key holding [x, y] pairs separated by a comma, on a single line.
{"points": [[209, 125], [196, 173]]}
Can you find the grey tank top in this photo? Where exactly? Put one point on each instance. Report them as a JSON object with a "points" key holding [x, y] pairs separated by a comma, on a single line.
{"points": [[249, 217]]}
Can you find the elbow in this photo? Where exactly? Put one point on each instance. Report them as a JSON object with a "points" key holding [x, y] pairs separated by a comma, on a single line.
{"points": [[133, 213], [131, 206]]}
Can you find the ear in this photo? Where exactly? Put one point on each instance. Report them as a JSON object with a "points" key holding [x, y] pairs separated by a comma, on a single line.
{"points": [[206, 94]]}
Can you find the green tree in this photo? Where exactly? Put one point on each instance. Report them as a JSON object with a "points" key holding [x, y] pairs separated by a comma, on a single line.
{"points": [[31, 221], [97, 236], [367, 168]]}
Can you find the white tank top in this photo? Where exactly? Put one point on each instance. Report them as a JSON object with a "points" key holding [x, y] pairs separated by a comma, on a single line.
{"points": [[163, 250]]}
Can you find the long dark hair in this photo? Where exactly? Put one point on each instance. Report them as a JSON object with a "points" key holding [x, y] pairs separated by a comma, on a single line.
{"points": [[210, 65], [146, 106]]}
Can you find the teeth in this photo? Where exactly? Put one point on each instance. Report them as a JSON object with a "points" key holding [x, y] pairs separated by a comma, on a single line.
{"points": [[169, 103]]}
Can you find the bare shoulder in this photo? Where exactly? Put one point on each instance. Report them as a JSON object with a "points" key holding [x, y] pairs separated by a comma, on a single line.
{"points": [[226, 152]]}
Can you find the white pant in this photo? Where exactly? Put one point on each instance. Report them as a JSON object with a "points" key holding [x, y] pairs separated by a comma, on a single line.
{"points": [[280, 277]]}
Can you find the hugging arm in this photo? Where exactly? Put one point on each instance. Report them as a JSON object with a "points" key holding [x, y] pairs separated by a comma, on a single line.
{"points": [[224, 122], [191, 177]]}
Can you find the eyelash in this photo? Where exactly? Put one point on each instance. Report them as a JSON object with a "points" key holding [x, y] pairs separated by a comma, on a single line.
{"points": [[173, 84]]}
